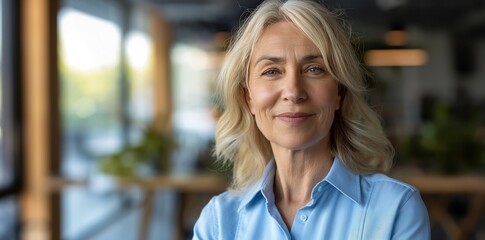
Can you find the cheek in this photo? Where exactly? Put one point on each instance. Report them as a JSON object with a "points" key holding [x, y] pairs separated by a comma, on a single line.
{"points": [[330, 103], [327, 98], [261, 97]]}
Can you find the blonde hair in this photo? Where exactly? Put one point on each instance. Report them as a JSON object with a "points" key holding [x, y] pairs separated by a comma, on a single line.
{"points": [[356, 136]]}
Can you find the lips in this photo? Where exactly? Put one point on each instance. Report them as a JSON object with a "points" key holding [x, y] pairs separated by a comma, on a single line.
{"points": [[294, 117], [294, 114]]}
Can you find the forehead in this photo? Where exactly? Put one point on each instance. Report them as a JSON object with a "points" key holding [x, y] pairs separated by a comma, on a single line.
{"points": [[283, 36]]}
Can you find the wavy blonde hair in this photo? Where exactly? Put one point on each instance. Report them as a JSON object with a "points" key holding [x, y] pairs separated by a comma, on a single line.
{"points": [[356, 136]]}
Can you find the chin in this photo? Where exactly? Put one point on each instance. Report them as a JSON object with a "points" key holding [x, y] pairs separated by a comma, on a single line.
{"points": [[302, 145]]}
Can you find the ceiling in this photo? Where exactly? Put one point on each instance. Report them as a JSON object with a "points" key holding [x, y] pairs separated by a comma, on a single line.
{"points": [[224, 15]]}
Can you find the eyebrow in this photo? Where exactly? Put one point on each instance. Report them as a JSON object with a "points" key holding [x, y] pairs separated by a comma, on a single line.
{"points": [[274, 59], [312, 57]]}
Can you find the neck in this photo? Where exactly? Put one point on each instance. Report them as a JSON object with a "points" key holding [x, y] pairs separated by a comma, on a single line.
{"points": [[298, 172]]}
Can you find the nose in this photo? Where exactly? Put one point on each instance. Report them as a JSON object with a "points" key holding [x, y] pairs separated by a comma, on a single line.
{"points": [[293, 89]]}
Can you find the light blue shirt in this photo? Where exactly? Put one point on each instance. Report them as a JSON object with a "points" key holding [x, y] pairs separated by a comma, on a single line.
{"points": [[344, 205]]}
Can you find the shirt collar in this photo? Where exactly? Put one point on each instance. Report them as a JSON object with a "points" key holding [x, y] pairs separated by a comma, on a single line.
{"points": [[341, 178], [260, 187], [345, 181]]}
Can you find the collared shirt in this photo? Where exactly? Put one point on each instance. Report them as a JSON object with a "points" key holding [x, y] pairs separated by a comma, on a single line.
{"points": [[344, 205]]}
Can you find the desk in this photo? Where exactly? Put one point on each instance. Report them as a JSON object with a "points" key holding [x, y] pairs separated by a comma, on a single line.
{"points": [[190, 183], [438, 192]]}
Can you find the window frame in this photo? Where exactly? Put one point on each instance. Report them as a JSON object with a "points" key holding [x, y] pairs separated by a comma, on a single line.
{"points": [[11, 116]]}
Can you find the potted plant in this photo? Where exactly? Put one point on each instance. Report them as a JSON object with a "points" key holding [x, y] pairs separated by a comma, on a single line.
{"points": [[151, 153], [446, 143]]}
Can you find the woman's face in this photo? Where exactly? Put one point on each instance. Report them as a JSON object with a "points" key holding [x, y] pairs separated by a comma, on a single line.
{"points": [[290, 94]]}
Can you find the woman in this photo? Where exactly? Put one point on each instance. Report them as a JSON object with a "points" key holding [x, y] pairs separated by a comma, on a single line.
{"points": [[307, 151]]}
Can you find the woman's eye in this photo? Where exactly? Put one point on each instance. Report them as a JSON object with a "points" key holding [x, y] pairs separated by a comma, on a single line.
{"points": [[315, 70], [270, 72]]}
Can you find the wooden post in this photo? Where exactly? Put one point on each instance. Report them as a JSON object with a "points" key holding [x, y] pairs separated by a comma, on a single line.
{"points": [[40, 210], [162, 38]]}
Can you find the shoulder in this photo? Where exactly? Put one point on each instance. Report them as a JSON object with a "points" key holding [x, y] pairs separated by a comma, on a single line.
{"points": [[380, 182], [386, 198], [226, 201], [382, 178], [220, 211], [381, 191]]}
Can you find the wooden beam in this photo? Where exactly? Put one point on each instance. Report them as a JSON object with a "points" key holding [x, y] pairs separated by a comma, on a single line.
{"points": [[162, 39], [40, 211]]}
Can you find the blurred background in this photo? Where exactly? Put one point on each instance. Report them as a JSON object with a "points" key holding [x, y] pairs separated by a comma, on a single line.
{"points": [[107, 116]]}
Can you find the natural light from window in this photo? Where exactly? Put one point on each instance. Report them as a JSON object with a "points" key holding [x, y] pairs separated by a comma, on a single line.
{"points": [[90, 43], [138, 50]]}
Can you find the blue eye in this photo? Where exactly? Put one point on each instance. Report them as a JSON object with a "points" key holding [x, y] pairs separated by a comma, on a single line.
{"points": [[315, 70], [270, 72]]}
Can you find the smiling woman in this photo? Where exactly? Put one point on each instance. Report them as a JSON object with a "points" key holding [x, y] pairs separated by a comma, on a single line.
{"points": [[308, 152], [293, 101], [279, 85]]}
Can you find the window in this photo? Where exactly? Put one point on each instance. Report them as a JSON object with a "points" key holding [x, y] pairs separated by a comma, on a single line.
{"points": [[3, 167], [9, 120], [194, 72], [105, 103], [89, 67]]}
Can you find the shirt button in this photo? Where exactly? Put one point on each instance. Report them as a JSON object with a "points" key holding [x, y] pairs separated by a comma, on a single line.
{"points": [[303, 218], [319, 189]]}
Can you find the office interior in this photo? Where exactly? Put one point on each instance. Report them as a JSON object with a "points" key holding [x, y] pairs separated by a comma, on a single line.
{"points": [[108, 114]]}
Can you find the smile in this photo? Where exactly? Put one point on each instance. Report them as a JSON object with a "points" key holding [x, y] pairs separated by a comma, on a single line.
{"points": [[294, 117]]}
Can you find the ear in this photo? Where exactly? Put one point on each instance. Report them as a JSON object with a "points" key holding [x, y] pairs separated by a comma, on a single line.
{"points": [[340, 96], [339, 102]]}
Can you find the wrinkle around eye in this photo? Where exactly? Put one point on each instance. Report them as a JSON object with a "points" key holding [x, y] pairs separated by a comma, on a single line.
{"points": [[272, 72], [315, 70]]}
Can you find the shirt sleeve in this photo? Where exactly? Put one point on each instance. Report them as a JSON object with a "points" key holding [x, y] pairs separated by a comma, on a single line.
{"points": [[412, 221], [205, 226]]}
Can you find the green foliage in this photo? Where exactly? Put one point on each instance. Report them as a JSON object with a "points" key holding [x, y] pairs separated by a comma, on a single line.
{"points": [[446, 144], [153, 150], [89, 97]]}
